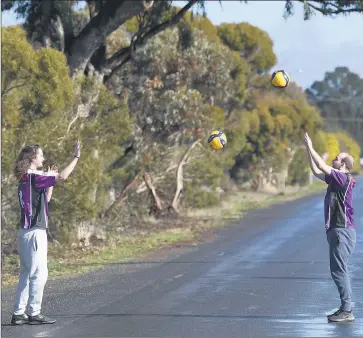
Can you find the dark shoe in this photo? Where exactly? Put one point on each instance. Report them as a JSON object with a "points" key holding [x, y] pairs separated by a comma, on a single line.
{"points": [[20, 319], [341, 316], [40, 319]]}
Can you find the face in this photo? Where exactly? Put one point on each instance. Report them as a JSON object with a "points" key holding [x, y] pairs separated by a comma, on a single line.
{"points": [[337, 161], [39, 159]]}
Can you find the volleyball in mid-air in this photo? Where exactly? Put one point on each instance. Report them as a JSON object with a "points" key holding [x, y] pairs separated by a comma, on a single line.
{"points": [[280, 79], [217, 140]]}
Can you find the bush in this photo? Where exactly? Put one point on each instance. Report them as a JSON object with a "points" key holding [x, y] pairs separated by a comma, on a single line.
{"points": [[299, 169]]}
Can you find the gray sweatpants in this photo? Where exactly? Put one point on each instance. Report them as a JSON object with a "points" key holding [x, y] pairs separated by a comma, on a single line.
{"points": [[33, 253], [341, 246]]}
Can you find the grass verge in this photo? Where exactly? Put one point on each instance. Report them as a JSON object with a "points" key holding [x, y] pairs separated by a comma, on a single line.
{"points": [[64, 260]]}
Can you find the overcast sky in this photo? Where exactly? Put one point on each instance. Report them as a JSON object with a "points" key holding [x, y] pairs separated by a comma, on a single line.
{"points": [[306, 49]]}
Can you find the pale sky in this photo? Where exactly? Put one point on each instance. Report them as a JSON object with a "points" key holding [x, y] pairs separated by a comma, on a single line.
{"points": [[305, 49]]}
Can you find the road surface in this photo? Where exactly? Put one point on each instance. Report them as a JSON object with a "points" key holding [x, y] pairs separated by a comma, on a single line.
{"points": [[267, 275]]}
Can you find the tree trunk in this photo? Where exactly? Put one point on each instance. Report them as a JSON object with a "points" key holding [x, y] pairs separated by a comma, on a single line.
{"points": [[179, 176], [148, 181], [113, 15], [121, 196]]}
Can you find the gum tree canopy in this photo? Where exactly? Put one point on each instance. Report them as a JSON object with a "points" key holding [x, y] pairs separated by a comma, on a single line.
{"points": [[51, 23]]}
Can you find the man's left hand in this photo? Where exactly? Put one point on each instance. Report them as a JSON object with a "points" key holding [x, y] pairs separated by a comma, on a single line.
{"points": [[307, 141]]}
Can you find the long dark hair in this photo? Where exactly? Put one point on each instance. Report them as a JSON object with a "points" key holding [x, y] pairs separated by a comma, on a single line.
{"points": [[25, 158]]}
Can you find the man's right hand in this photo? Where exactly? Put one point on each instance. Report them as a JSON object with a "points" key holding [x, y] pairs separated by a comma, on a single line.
{"points": [[307, 141]]}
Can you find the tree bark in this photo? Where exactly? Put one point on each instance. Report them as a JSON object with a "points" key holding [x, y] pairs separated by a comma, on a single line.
{"points": [[121, 196], [179, 176], [112, 15], [149, 184], [124, 55]]}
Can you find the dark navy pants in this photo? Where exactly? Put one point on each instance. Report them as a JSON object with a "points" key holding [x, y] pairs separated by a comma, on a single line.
{"points": [[341, 246]]}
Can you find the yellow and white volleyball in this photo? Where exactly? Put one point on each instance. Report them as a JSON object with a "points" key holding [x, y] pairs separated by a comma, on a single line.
{"points": [[280, 79], [217, 140]]}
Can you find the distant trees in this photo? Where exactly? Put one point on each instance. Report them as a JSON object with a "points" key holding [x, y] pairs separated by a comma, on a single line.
{"points": [[339, 97]]}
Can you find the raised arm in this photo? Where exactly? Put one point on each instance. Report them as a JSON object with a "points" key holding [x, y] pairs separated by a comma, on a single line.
{"points": [[316, 171], [63, 175], [315, 158]]}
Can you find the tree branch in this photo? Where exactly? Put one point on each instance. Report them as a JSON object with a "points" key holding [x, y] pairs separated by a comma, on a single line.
{"points": [[71, 123], [329, 11], [122, 56], [65, 13], [150, 185], [7, 5], [111, 16], [93, 7], [121, 196], [179, 176], [5, 91]]}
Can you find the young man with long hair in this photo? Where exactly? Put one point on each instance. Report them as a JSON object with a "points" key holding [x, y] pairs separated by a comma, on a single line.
{"points": [[34, 192]]}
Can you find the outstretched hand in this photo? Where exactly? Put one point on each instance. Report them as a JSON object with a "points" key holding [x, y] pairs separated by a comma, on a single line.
{"points": [[307, 141]]}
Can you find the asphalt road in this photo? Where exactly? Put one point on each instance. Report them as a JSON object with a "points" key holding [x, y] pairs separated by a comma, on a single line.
{"points": [[268, 275]]}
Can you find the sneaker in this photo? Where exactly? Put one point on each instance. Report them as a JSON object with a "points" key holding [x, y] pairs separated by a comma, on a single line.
{"points": [[40, 319], [20, 319], [341, 316]]}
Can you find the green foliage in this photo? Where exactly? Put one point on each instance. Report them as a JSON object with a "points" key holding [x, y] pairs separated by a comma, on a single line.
{"points": [[35, 84], [178, 83], [341, 142], [339, 97], [298, 169], [332, 146], [103, 134], [203, 175], [326, 8], [117, 40], [41, 75], [38, 110], [132, 25], [200, 198], [349, 145], [202, 23], [276, 124], [251, 43]]}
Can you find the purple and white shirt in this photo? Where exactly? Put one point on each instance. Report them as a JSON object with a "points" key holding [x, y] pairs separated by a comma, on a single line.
{"points": [[338, 208], [32, 193]]}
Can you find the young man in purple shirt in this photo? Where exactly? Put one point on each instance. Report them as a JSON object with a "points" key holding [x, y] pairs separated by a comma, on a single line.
{"points": [[339, 222], [34, 192]]}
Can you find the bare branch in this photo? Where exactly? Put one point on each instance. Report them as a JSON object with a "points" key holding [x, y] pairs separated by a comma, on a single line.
{"points": [[6, 91], [179, 176], [73, 121], [124, 55], [330, 11], [122, 194], [93, 7], [150, 185], [111, 16], [7, 5], [147, 6]]}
